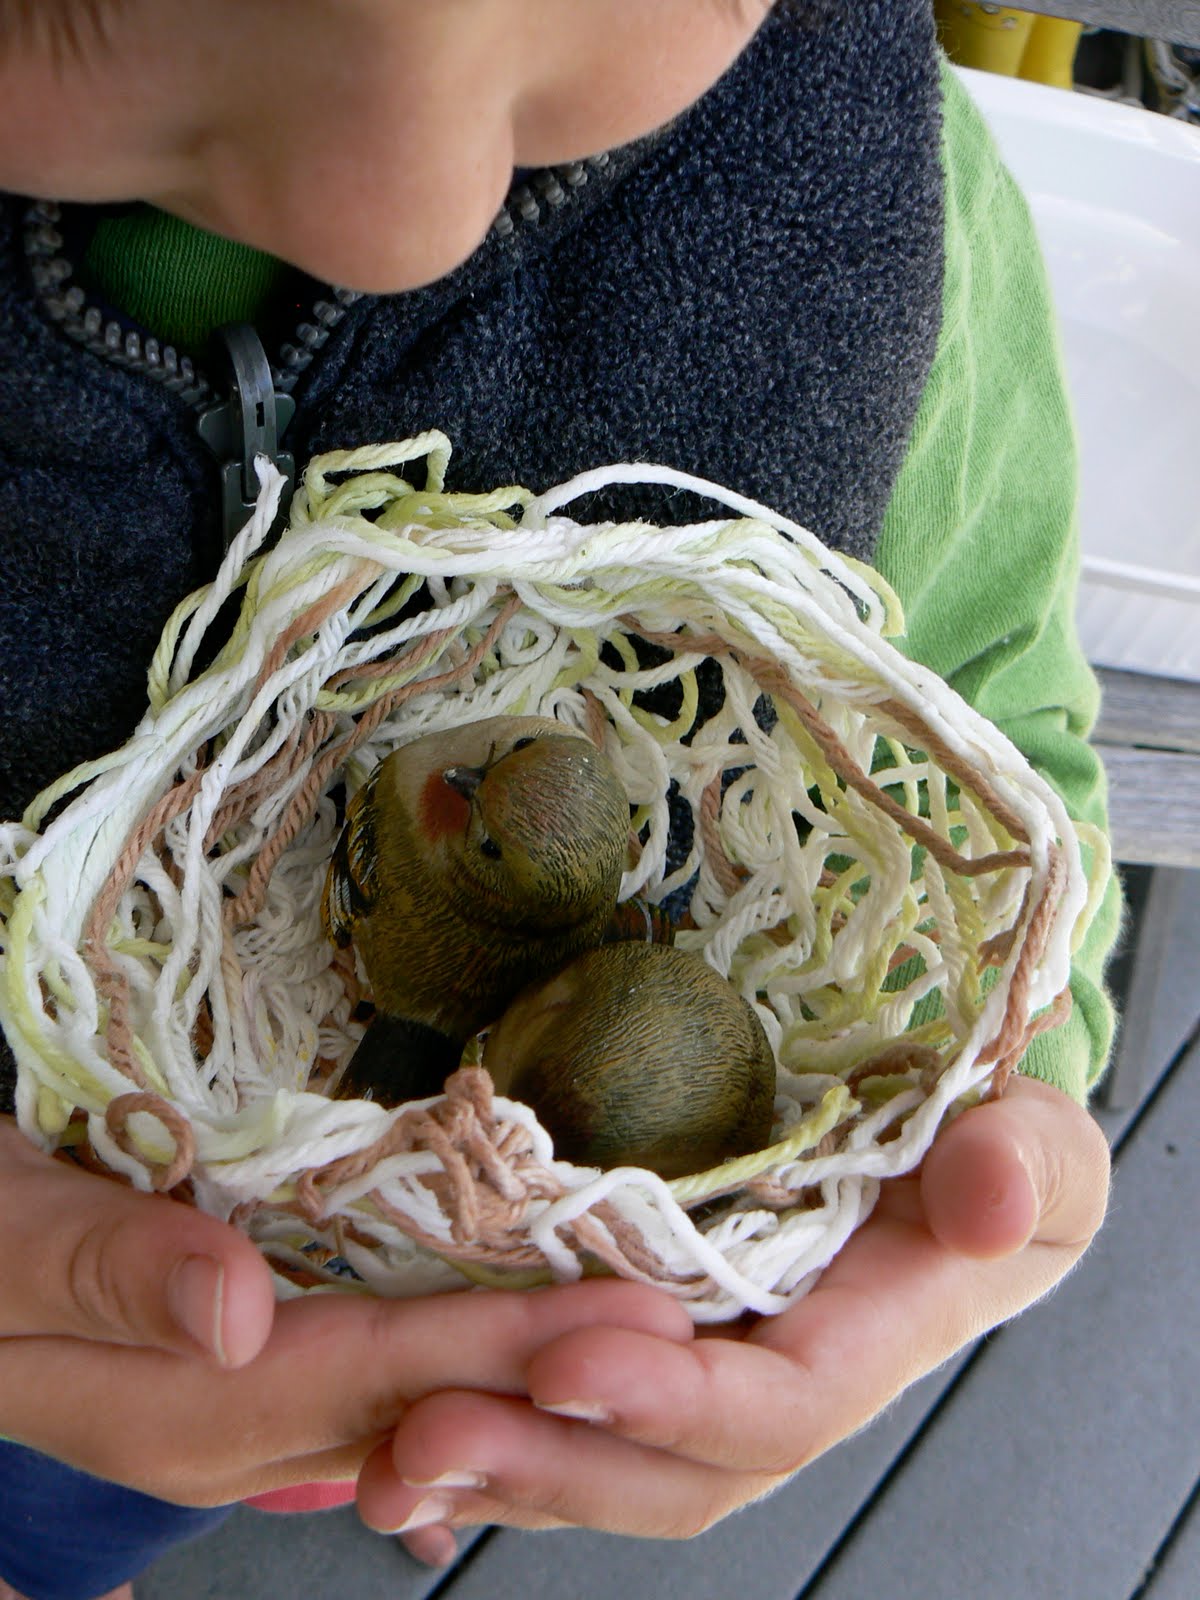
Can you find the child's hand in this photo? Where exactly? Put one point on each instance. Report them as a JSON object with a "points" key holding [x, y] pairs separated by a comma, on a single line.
{"points": [[117, 1357], [1007, 1200]]}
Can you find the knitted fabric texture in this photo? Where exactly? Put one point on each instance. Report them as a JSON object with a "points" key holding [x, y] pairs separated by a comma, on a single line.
{"points": [[873, 866]]}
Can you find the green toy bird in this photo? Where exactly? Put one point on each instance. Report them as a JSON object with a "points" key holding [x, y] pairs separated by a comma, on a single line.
{"points": [[638, 1055], [472, 862]]}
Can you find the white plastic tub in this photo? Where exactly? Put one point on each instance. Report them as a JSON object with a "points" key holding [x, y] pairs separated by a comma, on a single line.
{"points": [[1115, 193]]}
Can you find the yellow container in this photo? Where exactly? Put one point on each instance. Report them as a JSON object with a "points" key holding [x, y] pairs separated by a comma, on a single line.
{"points": [[987, 36], [1014, 43], [1050, 52]]}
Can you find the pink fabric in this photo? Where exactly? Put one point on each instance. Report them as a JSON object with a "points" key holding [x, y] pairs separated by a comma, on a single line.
{"points": [[305, 1497]]}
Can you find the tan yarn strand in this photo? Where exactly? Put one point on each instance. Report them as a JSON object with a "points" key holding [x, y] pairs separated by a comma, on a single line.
{"points": [[1054, 1016], [111, 981], [769, 677], [310, 620], [973, 782], [292, 755], [164, 1176], [723, 870], [1013, 1027]]}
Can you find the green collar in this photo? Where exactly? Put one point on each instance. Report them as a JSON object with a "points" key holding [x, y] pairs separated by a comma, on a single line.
{"points": [[176, 280]]}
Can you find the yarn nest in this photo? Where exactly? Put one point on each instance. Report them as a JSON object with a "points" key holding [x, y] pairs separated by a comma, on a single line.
{"points": [[865, 858]]}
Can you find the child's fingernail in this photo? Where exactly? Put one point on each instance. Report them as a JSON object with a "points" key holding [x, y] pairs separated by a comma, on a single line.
{"points": [[436, 1547], [581, 1410], [434, 1508], [449, 1480], [195, 1300]]}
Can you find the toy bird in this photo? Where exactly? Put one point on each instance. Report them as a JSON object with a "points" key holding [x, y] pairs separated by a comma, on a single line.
{"points": [[640, 1055], [472, 862]]}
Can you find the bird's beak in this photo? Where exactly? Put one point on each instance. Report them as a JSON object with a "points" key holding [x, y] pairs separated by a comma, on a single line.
{"points": [[464, 780]]}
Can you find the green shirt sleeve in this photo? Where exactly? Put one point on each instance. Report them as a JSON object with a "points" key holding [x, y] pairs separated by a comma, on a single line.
{"points": [[980, 539]]}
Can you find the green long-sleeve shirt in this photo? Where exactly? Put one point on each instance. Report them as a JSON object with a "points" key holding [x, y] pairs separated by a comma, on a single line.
{"points": [[980, 540]]}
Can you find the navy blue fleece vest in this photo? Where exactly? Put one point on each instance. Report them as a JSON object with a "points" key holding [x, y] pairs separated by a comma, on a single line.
{"points": [[753, 296]]}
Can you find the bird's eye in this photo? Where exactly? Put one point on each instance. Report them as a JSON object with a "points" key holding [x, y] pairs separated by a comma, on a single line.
{"points": [[522, 744], [490, 849]]}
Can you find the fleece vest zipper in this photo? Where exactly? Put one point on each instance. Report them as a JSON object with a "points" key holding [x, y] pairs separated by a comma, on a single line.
{"points": [[243, 399]]}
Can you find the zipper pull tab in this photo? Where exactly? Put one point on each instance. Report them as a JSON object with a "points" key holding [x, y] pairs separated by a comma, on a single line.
{"points": [[247, 425]]}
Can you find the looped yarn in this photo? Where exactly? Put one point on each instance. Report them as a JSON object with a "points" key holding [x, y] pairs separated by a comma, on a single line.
{"points": [[869, 862]]}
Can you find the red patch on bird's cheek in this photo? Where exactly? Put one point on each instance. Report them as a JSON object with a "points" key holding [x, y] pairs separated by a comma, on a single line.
{"points": [[443, 810]]}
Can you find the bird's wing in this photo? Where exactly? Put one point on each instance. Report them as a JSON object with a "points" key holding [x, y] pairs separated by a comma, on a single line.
{"points": [[352, 880], [636, 921]]}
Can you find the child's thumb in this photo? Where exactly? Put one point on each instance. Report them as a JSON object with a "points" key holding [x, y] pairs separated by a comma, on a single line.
{"points": [[87, 1258], [1031, 1167]]}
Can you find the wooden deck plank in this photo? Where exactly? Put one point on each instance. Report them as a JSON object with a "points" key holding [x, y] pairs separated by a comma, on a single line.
{"points": [[1176, 20], [1160, 1006], [1153, 713], [329, 1555], [1073, 1491], [767, 1552], [1154, 805], [1176, 1574]]}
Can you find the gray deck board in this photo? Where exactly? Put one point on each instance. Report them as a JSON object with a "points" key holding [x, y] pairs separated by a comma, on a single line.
{"points": [[1161, 1002], [329, 1555], [1066, 1453], [1176, 20], [1148, 734], [1153, 805], [767, 1552], [1176, 1574], [1152, 713]]}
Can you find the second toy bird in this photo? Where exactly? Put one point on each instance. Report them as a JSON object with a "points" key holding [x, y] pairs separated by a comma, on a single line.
{"points": [[638, 1055], [473, 862]]}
